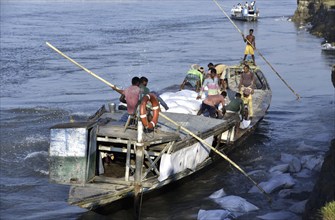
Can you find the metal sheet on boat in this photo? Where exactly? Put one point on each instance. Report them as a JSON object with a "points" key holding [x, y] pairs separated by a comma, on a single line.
{"points": [[68, 155]]}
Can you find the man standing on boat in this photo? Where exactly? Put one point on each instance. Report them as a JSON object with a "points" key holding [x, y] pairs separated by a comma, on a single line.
{"points": [[144, 90], [251, 45], [246, 86], [212, 84]]}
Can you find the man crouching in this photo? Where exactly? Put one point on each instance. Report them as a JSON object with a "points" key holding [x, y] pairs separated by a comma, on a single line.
{"points": [[211, 104]]}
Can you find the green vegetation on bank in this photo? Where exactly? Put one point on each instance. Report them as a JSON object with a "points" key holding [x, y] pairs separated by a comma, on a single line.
{"points": [[328, 211]]}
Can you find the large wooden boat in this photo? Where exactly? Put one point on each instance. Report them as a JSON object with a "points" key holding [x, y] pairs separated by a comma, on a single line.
{"points": [[142, 161]]}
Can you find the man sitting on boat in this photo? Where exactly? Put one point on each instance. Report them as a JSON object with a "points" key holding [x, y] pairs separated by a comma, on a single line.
{"points": [[210, 104], [131, 95], [246, 86], [212, 83], [194, 78], [145, 90]]}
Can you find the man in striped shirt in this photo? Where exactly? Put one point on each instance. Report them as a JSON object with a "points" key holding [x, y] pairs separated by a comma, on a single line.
{"points": [[212, 83]]}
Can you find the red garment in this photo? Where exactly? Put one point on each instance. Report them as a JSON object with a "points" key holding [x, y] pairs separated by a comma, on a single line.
{"points": [[132, 95]]}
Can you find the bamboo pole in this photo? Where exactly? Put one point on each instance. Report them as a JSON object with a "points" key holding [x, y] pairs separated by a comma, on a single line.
{"points": [[218, 152], [280, 77], [82, 67]]}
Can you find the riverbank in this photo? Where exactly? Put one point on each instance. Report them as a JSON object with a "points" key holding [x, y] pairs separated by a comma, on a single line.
{"points": [[320, 14], [324, 190]]}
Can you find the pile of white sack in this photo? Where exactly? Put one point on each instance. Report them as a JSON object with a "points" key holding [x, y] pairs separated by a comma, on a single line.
{"points": [[184, 101]]}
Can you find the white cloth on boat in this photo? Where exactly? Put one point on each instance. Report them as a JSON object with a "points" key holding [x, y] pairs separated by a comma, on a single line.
{"points": [[186, 158], [245, 124]]}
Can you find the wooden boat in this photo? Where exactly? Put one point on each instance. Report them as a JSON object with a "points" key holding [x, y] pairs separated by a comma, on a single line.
{"points": [[142, 162], [244, 14]]}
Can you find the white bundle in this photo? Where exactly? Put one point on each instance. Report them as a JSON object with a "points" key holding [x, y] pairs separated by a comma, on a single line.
{"points": [[184, 102]]}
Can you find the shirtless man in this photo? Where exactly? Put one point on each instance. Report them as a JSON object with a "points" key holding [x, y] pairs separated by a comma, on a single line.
{"points": [[210, 104], [251, 45]]}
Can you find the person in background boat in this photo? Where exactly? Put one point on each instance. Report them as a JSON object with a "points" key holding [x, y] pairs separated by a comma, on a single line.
{"points": [[252, 5], [212, 84], [210, 104], [194, 77], [246, 87], [239, 7], [251, 45], [131, 95], [246, 5]]}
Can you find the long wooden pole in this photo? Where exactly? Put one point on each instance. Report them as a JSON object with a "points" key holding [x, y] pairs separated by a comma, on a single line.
{"points": [[82, 67], [218, 152], [280, 77]]}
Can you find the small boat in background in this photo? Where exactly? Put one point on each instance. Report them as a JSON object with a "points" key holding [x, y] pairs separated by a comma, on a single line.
{"points": [[328, 46], [245, 12]]}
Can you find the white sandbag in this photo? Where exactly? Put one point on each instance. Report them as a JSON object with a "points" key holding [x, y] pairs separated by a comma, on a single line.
{"points": [[203, 150], [165, 167], [190, 104], [304, 173], [217, 214], [281, 168], [277, 182], [285, 193], [171, 103], [245, 124], [312, 162], [179, 109], [235, 204], [190, 157], [166, 95], [178, 162], [298, 207], [281, 215], [187, 93], [257, 173], [305, 147], [218, 194], [294, 162]]}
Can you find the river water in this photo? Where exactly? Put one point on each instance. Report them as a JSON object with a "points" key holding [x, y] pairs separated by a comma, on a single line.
{"points": [[157, 39]]}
